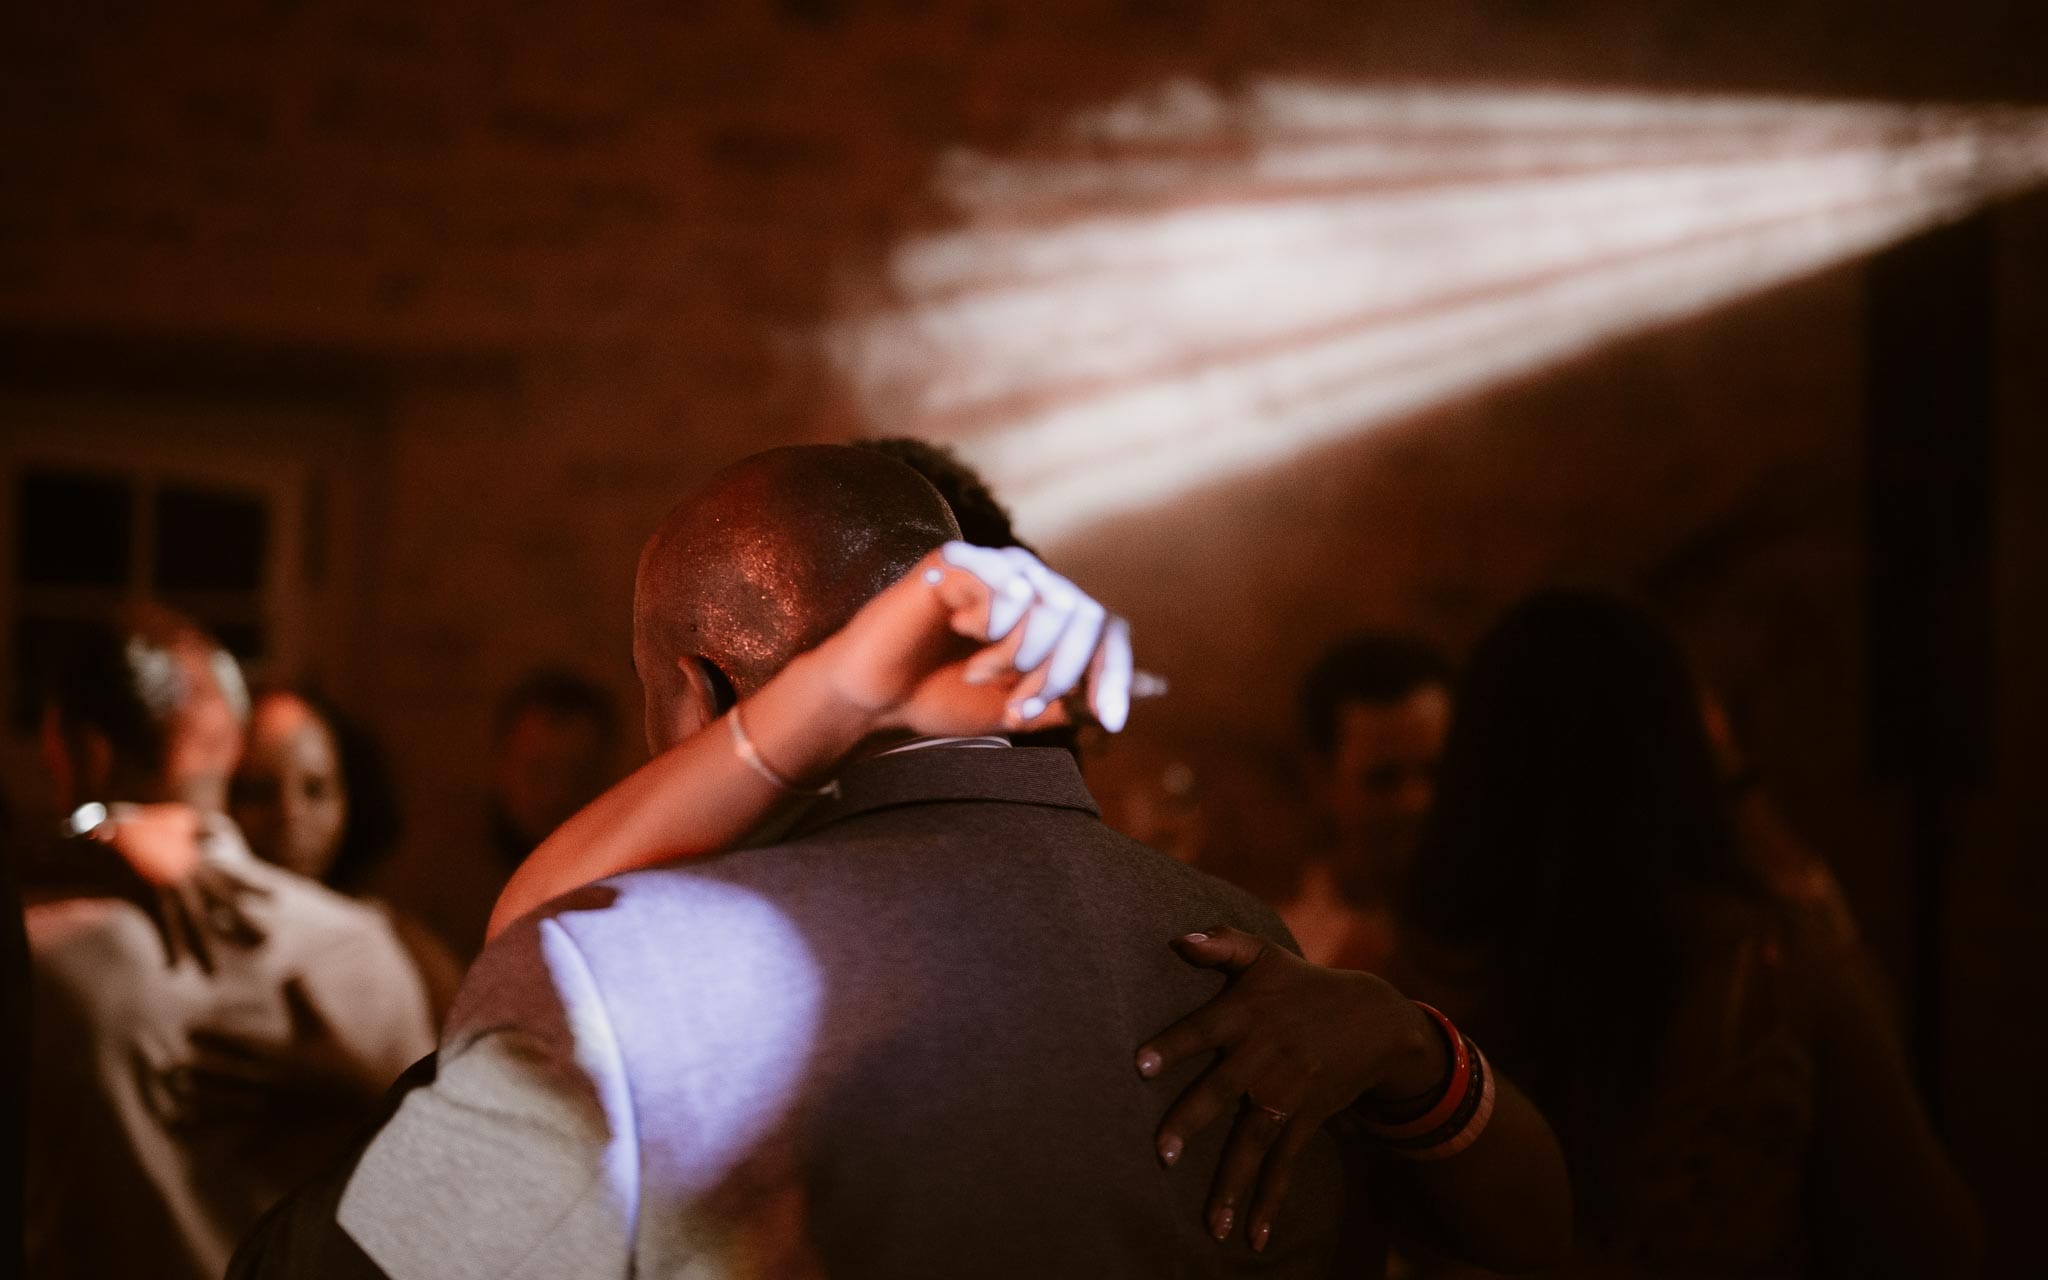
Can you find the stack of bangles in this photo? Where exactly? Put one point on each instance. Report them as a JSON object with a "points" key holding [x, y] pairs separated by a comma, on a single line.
{"points": [[1450, 1115]]}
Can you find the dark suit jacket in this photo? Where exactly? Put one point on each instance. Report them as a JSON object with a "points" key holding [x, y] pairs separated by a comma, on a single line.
{"points": [[898, 1044]]}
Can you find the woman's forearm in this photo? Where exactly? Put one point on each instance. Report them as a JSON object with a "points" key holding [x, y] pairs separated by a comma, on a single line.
{"points": [[901, 664], [1505, 1202], [697, 797]]}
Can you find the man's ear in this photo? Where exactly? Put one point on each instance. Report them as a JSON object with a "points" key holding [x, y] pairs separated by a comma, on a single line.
{"points": [[700, 702]]}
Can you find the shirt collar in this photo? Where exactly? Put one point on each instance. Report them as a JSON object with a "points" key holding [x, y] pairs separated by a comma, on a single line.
{"points": [[926, 744], [1044, 776]]}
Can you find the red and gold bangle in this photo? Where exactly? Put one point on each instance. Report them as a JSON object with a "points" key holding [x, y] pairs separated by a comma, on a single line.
{"points": [[1461, 1115], [1447, 1103], [1467, 1133], [1454, 1113]]}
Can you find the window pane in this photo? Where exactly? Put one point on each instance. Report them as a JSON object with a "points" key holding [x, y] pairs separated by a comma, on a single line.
{"points": [[210, 540], [77, 528]]}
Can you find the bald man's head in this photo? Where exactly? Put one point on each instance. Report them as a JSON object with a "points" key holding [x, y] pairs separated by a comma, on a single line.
{"points": [[771, 557]]}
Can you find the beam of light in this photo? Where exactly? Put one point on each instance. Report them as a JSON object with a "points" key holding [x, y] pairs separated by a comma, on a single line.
{"points": [[1182, 286]]}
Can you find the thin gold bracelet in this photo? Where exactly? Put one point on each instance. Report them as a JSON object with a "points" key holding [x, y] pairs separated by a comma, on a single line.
{"points": [[743, 747]]}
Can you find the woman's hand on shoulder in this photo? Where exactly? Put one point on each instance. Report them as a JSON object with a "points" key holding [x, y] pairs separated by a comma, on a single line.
{"points": [[1295, 1044], [150, 854]]}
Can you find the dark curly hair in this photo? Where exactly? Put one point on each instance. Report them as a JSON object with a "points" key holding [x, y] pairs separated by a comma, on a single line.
{"points": [[984, 520]]}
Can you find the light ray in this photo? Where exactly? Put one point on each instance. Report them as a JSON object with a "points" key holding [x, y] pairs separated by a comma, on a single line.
{"points": [[1184, 286]]}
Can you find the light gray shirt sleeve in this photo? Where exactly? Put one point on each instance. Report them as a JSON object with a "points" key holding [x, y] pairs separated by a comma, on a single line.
{"points": [[521, 1159]]}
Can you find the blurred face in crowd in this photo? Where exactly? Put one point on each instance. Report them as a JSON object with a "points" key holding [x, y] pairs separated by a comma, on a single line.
{"points": [[205, 742], [290, 798], [1379, 782], [203, 738], [548, 766], [149, 710]]}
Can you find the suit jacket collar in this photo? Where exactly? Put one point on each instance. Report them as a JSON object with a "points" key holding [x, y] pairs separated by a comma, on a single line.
{"points": [[1019, 775]]}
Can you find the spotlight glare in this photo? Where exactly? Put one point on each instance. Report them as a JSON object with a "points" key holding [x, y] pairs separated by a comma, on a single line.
{"points": [[1194, 286]]}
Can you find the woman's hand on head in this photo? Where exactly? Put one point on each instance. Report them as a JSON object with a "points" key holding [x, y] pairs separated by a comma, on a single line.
{"points": [[151, 855], [983, 640], [159, 841], [1294, 1044]]}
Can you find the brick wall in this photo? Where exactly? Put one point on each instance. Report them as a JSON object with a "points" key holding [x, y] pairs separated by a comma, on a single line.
{"points": [[555, 261]]}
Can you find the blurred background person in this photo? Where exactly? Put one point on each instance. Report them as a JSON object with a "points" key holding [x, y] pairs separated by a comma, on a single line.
{"points": [[1152, 795], [313, 795], [554, 739], [1729, 1094], [1374, 710], [1789, 867], [186, 671], [180, 1090], [553, 747], [290, 796]]}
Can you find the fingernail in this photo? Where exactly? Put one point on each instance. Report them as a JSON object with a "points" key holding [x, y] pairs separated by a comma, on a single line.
{"points": [[978, 673], [934, 576], [1112, 711], [1193, 938], [1031, 708], [1149, 1063], [1260, 1234], [1224, 1222], [1002, 617], [1169, 1150]]}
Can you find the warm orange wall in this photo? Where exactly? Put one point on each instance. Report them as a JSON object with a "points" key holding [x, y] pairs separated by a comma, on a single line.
{"points": [[555, 261]]}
